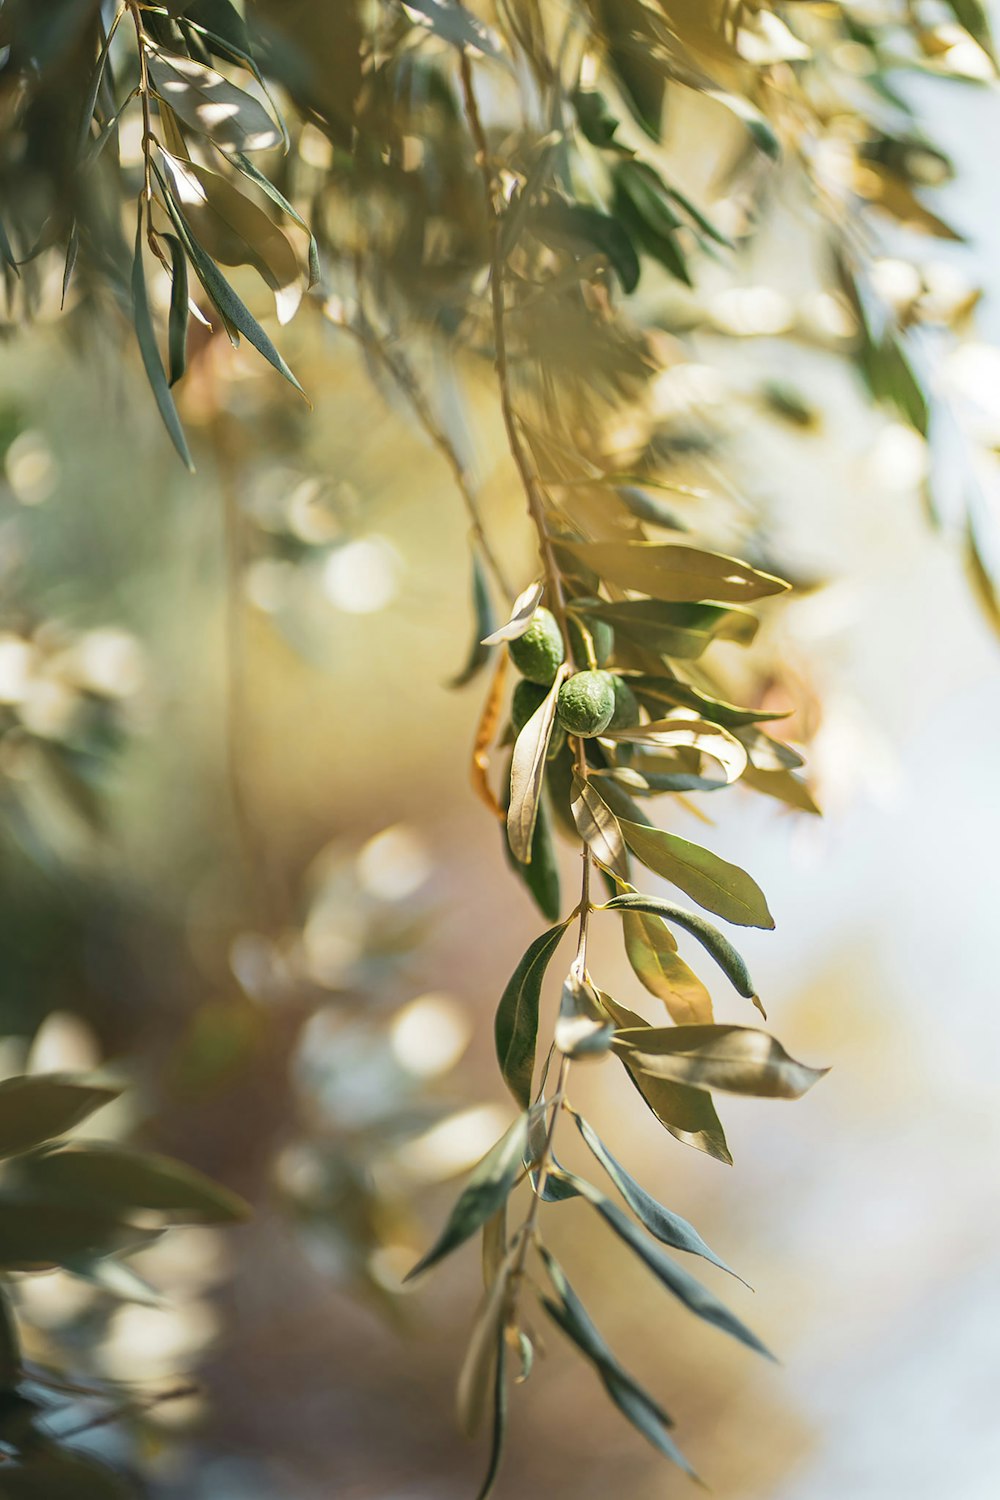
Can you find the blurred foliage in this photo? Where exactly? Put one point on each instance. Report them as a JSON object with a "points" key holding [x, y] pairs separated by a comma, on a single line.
{"points": [[573, 192]]}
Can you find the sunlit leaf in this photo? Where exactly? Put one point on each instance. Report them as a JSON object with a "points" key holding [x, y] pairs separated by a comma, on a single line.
{"points": [[676, 574], [680, 630], [516, 1025], [475, 1379], [487, 1188], [230, 227], [453, 23], [687, 1113], [682, 733], [652, 952], [210, 104], [711, 939], [735, 1059], [582, 1028], [527, 773], [521, 613], [148, 348], [715, 884], [599, 827]]}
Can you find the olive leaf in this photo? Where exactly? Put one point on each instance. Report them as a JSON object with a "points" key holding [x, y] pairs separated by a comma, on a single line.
{"points": [[148, 348], [715, 884], [674, 573], [232, 229], [177, 327], [521, 613], [683, 733], [527, 772], [478, 1367], [635, 1403], [541, 873], [669, 1228], [684, 631], [35, 1234], [487, 1188], [210, 104], [582, 1028], [482, 607], [598, 826], [735, 1059], [652, 691], [40, 1108], [516, 1024], [652, 952], [119, 1179], [711, 939], [451, 21]]}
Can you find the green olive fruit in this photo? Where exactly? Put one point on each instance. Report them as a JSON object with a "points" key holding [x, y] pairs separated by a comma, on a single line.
{"points": [[601, 634], [586, 703], [626, 705], [539, 652]]}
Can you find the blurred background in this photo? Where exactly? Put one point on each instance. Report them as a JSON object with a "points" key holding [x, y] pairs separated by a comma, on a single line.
{"points": [[243, 864]]}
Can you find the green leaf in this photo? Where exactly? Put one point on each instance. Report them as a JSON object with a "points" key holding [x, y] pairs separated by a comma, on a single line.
{"points": [[453, 23], [119, 1179], [635, 1403], [487, 1189], [675, 574], [646, 507], [10, 1345], [631, 38], [735, 1059], [149, 350], [669, 1228], [527, 773], [688, 1114], [541, 873], [114, 1277], [575, 224], [210, 104], [640, 205], [759, 130], [233, 312], [94, 86], [499, 1419], [711, 939], [652, 953], [40, 1108], [680, 630], [516, 1025], [974, 18], [598, 827], [714, 883], [652, 691], [230, 227], [177, 328], [39, 1234], [695, 1297], [582, 1029], [246, 166], [784, 786], [482, 606]]}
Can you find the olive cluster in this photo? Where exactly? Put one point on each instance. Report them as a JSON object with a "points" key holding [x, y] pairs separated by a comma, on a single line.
{"points": [[590, 701]]}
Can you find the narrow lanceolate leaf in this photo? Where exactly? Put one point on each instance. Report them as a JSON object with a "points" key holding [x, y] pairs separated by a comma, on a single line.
{"points": [[680, 630], [120, 1179], [482, 607], [655, 691], [598, 827], [516, 1025], [177, 328], [499, 1419], [233, 312], [711, 939], [541, 873], [652, 952], [688, 734], [635, 1403], [695, 1297], [527, 773], [521, 613], [246, 166], [475, 1378], [148, 348], [688, 1114], [211, 105], [486, 1190], [669, 1228], [34, 1110], [735, 1059], [714, 883], [40, 1234], [230, 227], [676, 574], [582, 1029]]}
